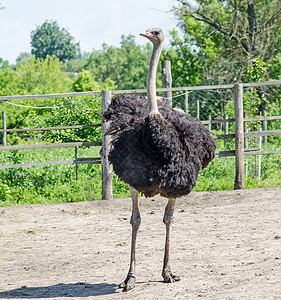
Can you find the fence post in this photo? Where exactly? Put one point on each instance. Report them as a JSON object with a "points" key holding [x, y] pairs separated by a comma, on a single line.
{"points": [[76, 165], [264, 127], [246, 129], [198, 109], [186, 102], [239, 137], [210, 123], [107, 173], [246, 144], [259, 157], [226, 128], [4, 127], [167, 81]]}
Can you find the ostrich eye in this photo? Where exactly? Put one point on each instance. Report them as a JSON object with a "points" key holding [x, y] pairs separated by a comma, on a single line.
{"points": [[155, 33]]}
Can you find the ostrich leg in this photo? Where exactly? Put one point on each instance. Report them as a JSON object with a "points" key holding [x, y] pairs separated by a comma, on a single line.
{"points": [[168, 218], [129, 282]]}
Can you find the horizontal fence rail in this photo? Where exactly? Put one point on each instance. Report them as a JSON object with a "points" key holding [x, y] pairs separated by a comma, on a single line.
{"points": [[46, 96], [50, 128], [249, 134], [54, 145], [59, 162]]}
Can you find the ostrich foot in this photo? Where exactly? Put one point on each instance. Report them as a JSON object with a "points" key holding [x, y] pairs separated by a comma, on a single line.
{"points": [[128, 284], [168, 277]]}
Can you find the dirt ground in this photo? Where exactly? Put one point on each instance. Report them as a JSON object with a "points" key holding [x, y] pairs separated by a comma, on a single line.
{"points": [[225, 245]]}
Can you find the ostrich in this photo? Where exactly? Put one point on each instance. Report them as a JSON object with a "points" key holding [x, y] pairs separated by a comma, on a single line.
{"points": [[156, 150]]}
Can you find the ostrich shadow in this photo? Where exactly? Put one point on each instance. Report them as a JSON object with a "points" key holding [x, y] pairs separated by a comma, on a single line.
{"points": [[60, 290]]}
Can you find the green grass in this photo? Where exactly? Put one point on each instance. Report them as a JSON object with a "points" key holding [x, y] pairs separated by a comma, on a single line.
{"points": [[54, 183], [220, 174], [57, 183]]}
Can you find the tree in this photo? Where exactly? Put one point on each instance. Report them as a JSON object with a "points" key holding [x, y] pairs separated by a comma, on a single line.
{"points": [[127, 65], [77, 65], [83, 111], [133, 72], [42, 76], [23, 56], [86, 82], [50, 39], [186, 66], [4, 63], [8, 82], [35, 76], [229, 34]]}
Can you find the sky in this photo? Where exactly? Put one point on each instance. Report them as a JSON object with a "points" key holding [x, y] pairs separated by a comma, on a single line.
{"points": [[90, 22]]}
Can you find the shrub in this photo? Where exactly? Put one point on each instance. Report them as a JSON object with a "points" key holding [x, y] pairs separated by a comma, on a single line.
{"points": [[5, 192]]}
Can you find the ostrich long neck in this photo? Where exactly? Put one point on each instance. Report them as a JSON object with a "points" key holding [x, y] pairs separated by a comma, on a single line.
{"points": [[151, 79]]}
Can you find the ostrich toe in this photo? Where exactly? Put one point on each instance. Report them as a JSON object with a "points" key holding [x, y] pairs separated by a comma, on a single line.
{"points": [[128, 284], [168, 277]]}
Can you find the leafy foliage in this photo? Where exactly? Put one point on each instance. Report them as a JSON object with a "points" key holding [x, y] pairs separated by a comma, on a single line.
{"points": [[42, 76], [86, 82], [228, 34], [5, 192], [35, 76], [186, 65], [258, 99], [257, 70], [8, 82], [76, 65], [49, 39], [254, 97], [23, 56], [80, 114], [73, 111], [127, 66]]}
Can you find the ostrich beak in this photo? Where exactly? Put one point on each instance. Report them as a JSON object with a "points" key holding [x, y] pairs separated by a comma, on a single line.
{"points": [[147, 34]]}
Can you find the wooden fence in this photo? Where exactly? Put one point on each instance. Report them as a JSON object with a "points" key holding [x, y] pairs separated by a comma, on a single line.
{"points": [[107, 173]]}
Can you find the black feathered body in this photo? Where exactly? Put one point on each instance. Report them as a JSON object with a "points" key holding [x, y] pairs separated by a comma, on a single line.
{"points": [[157, 154]]}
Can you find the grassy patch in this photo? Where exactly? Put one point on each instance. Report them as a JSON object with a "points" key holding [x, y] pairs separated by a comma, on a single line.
{"points": [[57, 183]]}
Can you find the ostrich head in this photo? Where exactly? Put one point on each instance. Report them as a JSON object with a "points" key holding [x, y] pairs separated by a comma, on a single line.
{"points": [[155, 35]]}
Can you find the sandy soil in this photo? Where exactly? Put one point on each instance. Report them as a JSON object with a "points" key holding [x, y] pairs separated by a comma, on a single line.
{"points": [[225, 245]]}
